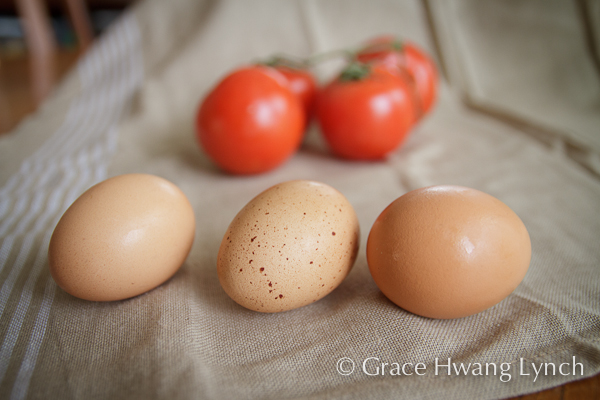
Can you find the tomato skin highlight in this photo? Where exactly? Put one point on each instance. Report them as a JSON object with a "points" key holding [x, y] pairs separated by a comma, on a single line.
{"points": [[302, 83], [365, 119], [408, 60], [250, 122]]}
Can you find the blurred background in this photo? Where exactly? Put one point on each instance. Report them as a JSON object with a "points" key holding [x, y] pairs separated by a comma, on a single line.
{"points": [[30, 65]]}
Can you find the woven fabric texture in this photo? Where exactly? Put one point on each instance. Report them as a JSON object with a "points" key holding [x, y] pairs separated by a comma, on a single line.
{"points": [[517, 117]]}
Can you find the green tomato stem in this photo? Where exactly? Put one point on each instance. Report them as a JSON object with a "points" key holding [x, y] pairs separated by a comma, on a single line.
{"points": [[350, 55], [286, 60], [355, 71], [395, 45]]}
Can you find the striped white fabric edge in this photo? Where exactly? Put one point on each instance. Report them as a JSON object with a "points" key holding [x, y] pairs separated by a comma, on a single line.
{"points": [[75, 157]]}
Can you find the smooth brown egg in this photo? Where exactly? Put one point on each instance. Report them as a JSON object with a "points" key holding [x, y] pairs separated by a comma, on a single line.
{"points": [[288, 247], [121, 238], [448, 251]]}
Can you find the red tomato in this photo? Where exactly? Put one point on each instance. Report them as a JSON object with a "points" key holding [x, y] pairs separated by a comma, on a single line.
{"points": [[405, 57], [302, 84], [250, 122], [366, 118]]}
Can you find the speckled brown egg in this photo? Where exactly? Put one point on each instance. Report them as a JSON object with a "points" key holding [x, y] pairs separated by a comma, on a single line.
{"points": [[122, 237], [448, 251], [288, 247]]}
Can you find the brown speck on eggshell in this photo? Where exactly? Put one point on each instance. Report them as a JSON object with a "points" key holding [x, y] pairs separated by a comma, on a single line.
{"points": [[297, 207]]}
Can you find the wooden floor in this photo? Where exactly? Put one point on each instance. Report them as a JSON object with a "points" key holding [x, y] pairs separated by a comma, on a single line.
{"points": [[19, 91], [579, 390], [25, 82]]}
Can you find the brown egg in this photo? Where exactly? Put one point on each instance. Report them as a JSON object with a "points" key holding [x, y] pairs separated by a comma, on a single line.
{"points": [[447, 251], [288, 247], [121, 238]]}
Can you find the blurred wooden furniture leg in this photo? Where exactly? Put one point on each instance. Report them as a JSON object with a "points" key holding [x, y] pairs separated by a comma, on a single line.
{"points": [[26, 80], [80, 18], [5, 114], [41, 46], [39, 35]]}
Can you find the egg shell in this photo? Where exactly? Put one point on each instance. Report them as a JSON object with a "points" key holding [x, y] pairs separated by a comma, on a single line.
{"points": [[122, 237], [448, 251], [288, 247]]}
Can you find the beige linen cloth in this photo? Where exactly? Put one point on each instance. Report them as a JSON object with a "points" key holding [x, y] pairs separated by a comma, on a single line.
{"points": [[518, 117]]}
